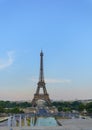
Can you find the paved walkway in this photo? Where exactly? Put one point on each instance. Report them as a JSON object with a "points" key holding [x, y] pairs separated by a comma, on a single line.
{"points": [[70, 124], [77, 124]]}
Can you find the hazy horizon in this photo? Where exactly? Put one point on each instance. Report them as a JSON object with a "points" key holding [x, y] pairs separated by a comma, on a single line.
{"points": [[63, 30]]}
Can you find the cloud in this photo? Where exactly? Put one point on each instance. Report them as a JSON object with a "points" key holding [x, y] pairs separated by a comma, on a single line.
{"points": [[4, 63], [58, 81], [52, 80]]}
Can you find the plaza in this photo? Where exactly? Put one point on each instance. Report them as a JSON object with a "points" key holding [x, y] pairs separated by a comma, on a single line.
{"points": [[67, 124]]}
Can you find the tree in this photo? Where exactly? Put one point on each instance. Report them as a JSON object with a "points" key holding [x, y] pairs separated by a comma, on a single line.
{"points": [[89, 107], [1, 109], [81, 107], [15, 110]]}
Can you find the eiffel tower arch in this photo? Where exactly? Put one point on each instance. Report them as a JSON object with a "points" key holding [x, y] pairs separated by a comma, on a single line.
{"points": [[41, 85]]}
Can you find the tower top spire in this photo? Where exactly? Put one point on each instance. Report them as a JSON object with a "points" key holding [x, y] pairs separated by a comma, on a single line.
{"points": [[41, 53], [41, 78]]}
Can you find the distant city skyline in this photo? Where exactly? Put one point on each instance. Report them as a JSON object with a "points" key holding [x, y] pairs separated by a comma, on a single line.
{"points": [[63, 31]]}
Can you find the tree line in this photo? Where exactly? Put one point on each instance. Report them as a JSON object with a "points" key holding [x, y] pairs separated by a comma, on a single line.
{"points": [[75, 105], [17, 107], [13, 107]]}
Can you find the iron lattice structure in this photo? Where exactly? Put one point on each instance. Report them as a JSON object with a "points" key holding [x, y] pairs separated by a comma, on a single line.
{"points": [[41, 85]]}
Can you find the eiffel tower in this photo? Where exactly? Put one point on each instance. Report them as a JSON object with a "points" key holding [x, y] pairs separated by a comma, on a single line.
{"points": [[41, 85]]}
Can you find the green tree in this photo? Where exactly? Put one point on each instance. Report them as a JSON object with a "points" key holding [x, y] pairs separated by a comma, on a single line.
{"points": [[1, 109], [81, 107], [89, 107], [15, 110]]}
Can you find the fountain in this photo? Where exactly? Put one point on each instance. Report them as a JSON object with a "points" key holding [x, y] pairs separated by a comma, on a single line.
{"points": [[25, 121], [9, 121], [20, 121]]}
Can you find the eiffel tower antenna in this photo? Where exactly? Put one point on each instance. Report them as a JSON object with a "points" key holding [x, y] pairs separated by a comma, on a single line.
{"points": [[41, 84], [41, 77]]}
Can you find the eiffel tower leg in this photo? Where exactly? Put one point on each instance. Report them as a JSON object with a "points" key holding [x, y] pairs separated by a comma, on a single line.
{"points": [[33, 102], [44, 90], [38, 89]]}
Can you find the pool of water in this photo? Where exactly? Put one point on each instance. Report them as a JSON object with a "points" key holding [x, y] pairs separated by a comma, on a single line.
{"points": [[46, 121]]}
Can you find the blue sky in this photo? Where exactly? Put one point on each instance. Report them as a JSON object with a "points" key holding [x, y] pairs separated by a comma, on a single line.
{"points": [[63, 30]]}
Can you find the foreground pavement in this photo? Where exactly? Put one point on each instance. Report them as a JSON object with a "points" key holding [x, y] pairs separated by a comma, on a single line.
{"points": [[68, 124]]}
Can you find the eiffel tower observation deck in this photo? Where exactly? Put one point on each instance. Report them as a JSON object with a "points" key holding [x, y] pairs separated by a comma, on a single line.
{"points": [[41, 85]]}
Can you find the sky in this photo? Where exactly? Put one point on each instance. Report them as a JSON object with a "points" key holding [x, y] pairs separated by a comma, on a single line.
{"points": [[62, 29]]}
